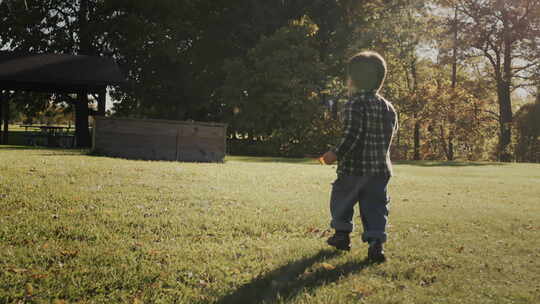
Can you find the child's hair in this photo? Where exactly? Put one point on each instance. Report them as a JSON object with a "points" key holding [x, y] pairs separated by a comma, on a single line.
{"points": [[367, 71]]}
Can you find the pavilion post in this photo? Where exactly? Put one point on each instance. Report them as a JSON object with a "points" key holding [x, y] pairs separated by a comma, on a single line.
{"points": [[1, 116], [102, 99], [82, 135], [5, 114]]}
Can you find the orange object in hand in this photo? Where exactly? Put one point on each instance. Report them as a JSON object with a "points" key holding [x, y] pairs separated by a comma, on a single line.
{"points": [[328, 158]]}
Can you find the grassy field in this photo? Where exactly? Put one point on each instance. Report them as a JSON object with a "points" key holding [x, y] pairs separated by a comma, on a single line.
{"points": [[85, 229]]}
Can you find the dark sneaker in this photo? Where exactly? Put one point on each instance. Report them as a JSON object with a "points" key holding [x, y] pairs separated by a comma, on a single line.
{"points": [[376, 253], [340, 240]]}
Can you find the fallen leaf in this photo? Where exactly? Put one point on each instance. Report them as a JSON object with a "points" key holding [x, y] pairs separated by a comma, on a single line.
{"points": [[203, 283], [17, 270], [69, 253], [39, 276], [154, 252], [328, 266], [313, 230], [361, 292], [29, 289], [428, 281], [325, 233]]}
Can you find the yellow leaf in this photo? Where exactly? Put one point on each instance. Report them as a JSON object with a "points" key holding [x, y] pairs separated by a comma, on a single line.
{"points": [[154, 252], [18, 270], [29, 289], [39, 276], [69, 253], [328, 266]]}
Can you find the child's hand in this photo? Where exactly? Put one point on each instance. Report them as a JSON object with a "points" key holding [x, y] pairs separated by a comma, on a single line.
{"points": [[329, 158]]}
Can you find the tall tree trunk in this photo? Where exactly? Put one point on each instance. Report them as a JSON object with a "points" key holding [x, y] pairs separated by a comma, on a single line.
{"points": [[443, 140], [102, 102], [414, 83], [505, 120], [455, 48], [416, 140], [504, 97], [85, 41], [81, 120], [81, 106], [450, 147], [504, 84]]}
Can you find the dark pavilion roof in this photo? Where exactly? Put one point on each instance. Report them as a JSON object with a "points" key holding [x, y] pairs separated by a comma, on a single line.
{"points": [[57, 72]]}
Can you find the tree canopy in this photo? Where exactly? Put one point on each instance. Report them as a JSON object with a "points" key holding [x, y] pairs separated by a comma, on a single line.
{"points": [[275, 70]]}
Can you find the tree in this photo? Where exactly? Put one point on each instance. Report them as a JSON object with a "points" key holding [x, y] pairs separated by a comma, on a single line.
{"points": [[450, 25], [504, 32], [527, 121], [398, 33], [462, 111], [273, 91], [174, 51]]}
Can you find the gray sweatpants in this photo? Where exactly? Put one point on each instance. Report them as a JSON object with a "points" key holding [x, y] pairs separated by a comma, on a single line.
{"points": [[371, 194]]}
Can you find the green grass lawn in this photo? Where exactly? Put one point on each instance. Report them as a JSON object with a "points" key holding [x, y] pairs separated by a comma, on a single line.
{"points": [[85, 229]]}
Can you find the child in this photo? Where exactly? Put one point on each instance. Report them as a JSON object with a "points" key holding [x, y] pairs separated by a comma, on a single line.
{"points": [[364, 166]]}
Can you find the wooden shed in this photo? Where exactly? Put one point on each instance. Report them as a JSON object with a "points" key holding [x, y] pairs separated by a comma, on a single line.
{"points": [[59, 73], [160, 139]]}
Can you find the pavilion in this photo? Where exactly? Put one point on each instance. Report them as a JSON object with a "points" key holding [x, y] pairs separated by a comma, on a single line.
{"points": [[59, 73]]}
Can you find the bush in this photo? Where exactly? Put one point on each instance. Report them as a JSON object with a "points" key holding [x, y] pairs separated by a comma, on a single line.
{"points": [[527, 125], [316, 138]]}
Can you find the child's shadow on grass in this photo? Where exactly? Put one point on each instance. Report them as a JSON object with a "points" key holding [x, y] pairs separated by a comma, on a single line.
{"points": [[287, 281]]}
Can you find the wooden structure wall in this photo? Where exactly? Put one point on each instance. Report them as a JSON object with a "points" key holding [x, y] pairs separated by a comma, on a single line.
{"points": [[160, 139]]}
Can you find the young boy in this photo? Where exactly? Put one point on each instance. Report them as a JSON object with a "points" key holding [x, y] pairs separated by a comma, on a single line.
{"points": [[364, 166]]}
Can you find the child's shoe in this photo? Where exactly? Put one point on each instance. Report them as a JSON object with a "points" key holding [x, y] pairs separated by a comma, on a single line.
{"points": [[340, 240], [376, 252]]}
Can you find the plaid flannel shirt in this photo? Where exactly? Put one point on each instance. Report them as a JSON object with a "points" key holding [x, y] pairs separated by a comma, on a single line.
{"points": [[370, 122]]}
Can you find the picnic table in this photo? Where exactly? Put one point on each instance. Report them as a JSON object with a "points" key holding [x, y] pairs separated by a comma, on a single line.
{"points": [[51, 136], [47, 128]]}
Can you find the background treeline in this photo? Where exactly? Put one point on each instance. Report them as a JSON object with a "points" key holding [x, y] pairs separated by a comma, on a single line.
{"points": [[274, 70]]}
